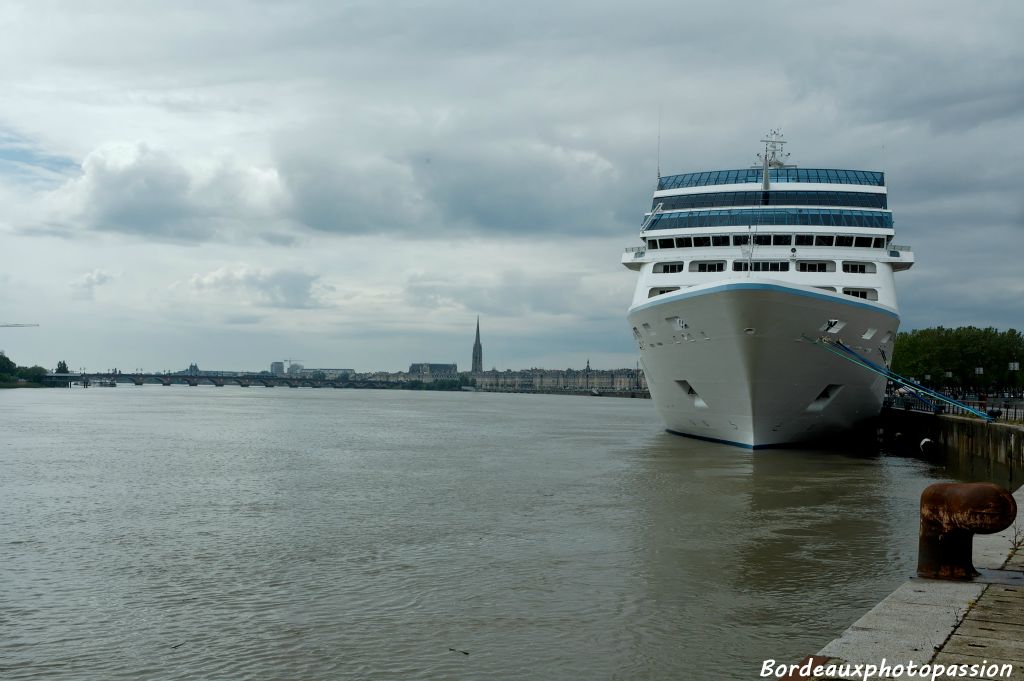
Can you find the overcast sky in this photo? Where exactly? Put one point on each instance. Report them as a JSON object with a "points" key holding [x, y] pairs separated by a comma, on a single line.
{"points": [[351, 184]]}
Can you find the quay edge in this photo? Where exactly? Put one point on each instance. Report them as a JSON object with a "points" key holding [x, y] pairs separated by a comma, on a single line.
{"points": [[942, 622]]}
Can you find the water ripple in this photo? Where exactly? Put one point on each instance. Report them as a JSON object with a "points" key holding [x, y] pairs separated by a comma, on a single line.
{"points": [[267, 534]]}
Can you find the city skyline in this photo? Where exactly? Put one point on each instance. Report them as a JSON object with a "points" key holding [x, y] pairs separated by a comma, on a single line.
{"points": [[355, 184]]}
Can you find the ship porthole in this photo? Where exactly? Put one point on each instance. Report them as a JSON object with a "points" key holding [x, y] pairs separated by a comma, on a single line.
{"points": [[749, 331]]}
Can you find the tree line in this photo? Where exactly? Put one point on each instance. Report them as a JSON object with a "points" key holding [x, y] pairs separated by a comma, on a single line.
{"points": [[11, 374], [951, 357]]}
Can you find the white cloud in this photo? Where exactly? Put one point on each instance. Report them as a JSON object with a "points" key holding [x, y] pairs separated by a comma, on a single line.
{"points": [[137, 190], [84, 288], [267, 288]]}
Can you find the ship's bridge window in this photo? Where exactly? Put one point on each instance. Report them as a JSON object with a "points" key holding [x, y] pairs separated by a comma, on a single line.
{"points": [[824, 240], [865, 293], [862, 242], [760, 266], [707, 266], [684, 242], [845, 241], [859, 267], [670, 267], [815, 266], [762, 239], [740, 239], [666, 243], [804, 239], [879, 242], [719, 240], [661, 291], [699, 241], [782, 239]]}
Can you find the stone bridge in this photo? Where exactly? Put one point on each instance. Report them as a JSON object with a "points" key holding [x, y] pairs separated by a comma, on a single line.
{"points": [[244, 380]]}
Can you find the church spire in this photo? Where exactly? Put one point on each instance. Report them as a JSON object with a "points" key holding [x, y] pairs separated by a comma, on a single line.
{"points": [[478, 351]]}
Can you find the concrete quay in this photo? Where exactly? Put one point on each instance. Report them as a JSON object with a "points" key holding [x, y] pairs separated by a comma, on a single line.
{"points": [[934, 622]]}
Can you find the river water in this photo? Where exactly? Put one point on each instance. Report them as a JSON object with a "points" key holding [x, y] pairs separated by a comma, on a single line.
{"points": [[183, 533]]}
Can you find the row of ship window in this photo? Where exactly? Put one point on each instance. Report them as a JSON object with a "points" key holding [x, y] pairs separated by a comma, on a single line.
{"points": [[819, 217], [767, 240], [815, 175], [765, 266], [863, 293], [770, 198]]}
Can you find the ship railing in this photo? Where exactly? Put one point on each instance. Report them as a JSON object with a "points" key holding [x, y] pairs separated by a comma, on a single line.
{"points": [[637, 251], [900, 248]]}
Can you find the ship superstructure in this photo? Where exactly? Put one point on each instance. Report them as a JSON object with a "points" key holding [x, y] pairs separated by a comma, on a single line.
{"points": [[740, 272]]}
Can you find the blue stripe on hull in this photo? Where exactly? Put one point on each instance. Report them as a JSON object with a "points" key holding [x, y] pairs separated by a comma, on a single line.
{"points": [[682, 295], [743, 445], [715, 439]]}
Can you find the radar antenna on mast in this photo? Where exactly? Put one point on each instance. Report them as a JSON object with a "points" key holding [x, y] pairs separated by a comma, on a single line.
{"points": [[773, 156]]}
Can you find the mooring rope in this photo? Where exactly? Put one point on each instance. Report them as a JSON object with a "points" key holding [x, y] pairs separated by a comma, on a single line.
{"points": [[917, 390]]}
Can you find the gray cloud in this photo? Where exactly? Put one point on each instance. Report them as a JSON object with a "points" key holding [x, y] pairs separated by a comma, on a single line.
{"points": [[243, 319], [457, 186], [148, 193], [270, 288], [505, 294], [518, 186]]}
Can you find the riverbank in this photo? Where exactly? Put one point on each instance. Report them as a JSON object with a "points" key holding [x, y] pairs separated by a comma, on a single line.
{"points": [[970, 442]]}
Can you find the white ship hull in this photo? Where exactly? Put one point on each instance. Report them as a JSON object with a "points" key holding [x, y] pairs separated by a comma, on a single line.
{"points": [[734, 360]]}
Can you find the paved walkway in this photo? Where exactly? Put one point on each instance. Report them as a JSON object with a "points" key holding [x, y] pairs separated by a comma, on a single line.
{"points": [[949, 623]]}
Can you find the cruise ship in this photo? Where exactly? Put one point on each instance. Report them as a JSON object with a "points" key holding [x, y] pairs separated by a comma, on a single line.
{"points": [[746, 277]]}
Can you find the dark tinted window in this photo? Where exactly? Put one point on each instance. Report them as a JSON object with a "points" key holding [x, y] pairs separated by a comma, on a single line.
{"points": [[770, 216], [864, 177], [770, 198]]}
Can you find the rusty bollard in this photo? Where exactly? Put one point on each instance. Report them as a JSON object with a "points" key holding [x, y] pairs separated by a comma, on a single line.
{"points": [[951, 514]]}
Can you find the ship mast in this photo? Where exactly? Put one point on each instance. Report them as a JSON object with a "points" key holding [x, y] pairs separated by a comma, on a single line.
{"points": [[773, 156]]}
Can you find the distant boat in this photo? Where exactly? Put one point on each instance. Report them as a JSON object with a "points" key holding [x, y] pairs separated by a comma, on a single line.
{"points": [[111, 383]]}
